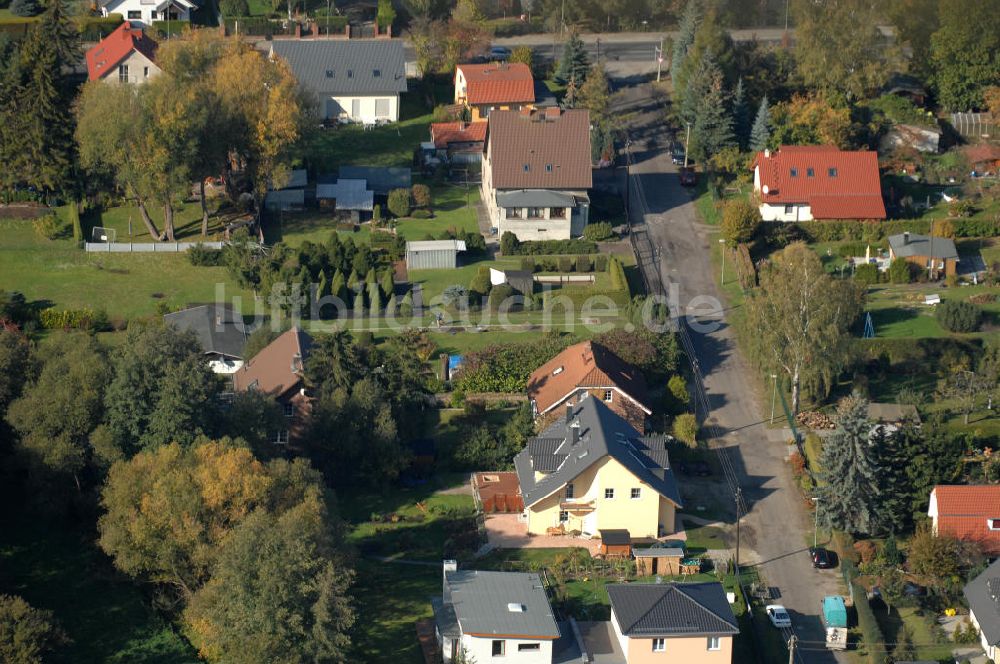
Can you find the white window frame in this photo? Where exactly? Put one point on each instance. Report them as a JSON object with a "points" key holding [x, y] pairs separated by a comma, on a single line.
{"points": [[563, 517], [503, 648], [123, 73], [715, 643], [570, 491], [659, 645], [528, 647], [993, 524], [609, 396], [281, 437], [636, 493], [609, 494]]}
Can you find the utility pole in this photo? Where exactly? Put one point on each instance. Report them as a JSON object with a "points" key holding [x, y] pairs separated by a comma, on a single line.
{"points": [[722, 246], [659, 60], [739, 501], [687, 144], [815, 523], [774, 394], [793, 642]]}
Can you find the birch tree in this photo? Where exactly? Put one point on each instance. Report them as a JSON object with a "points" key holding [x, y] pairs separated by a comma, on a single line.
{"points": [[798, 320]]}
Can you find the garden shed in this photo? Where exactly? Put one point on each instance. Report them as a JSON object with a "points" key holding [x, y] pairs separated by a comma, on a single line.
{"points": [[433, 254], [616, 543], [664, 560]]}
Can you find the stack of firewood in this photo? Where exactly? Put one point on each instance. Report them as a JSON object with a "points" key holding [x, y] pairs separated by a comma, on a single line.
{"points": [[812, 419]]}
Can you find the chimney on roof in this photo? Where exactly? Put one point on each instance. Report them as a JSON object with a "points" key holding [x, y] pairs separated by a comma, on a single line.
{"points": [[569, 413], [906, 237], [574, 433], [767, 153], [552, 112]]}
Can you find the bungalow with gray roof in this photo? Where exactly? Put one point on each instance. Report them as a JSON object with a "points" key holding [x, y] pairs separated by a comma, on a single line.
{"points": [[353, 81]]}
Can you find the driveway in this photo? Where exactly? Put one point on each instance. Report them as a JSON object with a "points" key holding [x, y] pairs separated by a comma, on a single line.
{"points": [[777, 530]]}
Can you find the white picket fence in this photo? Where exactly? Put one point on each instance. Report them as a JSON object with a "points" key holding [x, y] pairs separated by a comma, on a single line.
{"points": [[148, 247]]}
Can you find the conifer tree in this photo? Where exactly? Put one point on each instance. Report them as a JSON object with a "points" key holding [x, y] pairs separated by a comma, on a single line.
{"points": [[338, 286], [354, 281], [712, 129], [690, 20], [406, 306], [741, 115], [850, 498], [896, 502], [387, 285], [359, 303], [374, 297], [760, 134], [392, 305], [575, 64]]}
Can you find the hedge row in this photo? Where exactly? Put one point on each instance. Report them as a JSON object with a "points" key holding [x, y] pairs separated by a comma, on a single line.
{"points": [[257, 25], [73, 319], [874, 231], [92, 28], [618, 279]]}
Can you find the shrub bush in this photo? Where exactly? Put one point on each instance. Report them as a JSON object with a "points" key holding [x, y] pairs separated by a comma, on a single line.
{"points": [[565, 264], [583, 264], [47, 227], [234, 8], [740, 220], [399, 202], [601, 263], [499, 294], [685, 429], [421, 214], [528, 264], [73, 319], [597, 232], [377, 212], [201, 256], [506, 367], [421, 194], [959, 316], [900, 271], [509, 244], [480, 285], [25, 8], [866, 274]]}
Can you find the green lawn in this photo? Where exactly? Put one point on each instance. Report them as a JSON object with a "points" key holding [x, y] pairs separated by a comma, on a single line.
{"points": [[453, 208], [125, 285], [892, 625], [106, 615], [390, 597], [899, 311], [326, 150], [187, 223]]}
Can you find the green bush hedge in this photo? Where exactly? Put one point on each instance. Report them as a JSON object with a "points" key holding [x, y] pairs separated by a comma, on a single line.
{"points": [[598, 231], [554, 247], [959, 316], [73, 319], [871, 232], [170, 28]]}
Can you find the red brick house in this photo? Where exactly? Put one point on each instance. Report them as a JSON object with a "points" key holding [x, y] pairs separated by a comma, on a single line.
{"points": [[806, 182], [590, 368], [277, 370], [968, 513]]}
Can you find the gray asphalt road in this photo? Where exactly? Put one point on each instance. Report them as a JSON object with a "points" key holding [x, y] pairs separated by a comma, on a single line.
{"points": [[777, 530]]}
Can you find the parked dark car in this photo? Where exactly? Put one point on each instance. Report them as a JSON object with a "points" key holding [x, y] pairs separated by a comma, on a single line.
{"points": [[822, 559], [501, 53], [677, 156], [698, 468], [688, 177]]}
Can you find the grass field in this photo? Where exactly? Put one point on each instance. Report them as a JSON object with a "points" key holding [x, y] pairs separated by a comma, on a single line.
{"points": [[187, 223], [325, 150], [391, 597], [898, 311], [106, 615], [125, 285]]}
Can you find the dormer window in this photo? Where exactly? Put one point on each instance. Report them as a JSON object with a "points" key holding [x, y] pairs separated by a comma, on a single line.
{"points": [[794, 173], [329, 73], [993, 524], [548, 168], [557, 371], [527, 168], [810, 173], [832, 172]]}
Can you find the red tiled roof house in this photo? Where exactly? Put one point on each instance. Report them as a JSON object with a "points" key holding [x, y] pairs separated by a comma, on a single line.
{"points": [[589, 368], [277, 370], [127, 55], [806, 182], [536, 173], [968, 513], [507, 86], [459, 142]]}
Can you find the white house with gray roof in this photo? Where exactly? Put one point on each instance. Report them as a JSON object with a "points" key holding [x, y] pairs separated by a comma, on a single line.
{"points": [[353, 81], [494, 616], [983, 596]]}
